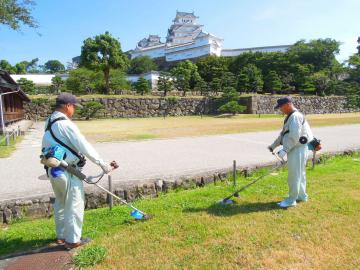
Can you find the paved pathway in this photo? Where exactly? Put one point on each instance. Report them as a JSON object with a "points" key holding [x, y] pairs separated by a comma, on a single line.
{"points": [[170, 158]]}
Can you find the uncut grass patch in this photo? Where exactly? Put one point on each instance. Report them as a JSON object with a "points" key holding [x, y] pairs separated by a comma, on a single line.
{"points": [[191, 231], [7, 150]]}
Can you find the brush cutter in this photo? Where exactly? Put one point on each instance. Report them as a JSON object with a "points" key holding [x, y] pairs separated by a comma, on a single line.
{"points": [[56, 163], [228, 200]]}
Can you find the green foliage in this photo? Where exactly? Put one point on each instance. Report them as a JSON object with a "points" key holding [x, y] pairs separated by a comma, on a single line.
{"points": [[186, 76], [142, 86], [89, 256], [90, 108], [54, 66], [255, 78], [57, 82], [230, 94], [13, 13], [273, 83], [103, 52], [27, 86], [215, 85], [84, 81], [165, 83], [117, 82], [141, 64], [228, 80], [321, 82], [229, 102], [319, 53], [202, 87], [212, 67], [243, 84], [6, 66], [307, 86], [232, 107]]}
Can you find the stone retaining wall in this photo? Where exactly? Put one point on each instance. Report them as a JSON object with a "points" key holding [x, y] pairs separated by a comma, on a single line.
{"points": [[264, 104], [181, 106], [134, 107]]}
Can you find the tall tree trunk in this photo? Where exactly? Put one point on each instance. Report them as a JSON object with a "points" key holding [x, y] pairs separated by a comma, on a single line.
{"points": [[106, 77]]}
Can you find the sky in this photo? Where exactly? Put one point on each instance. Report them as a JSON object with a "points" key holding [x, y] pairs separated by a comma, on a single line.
{"points": [[65, 24]]}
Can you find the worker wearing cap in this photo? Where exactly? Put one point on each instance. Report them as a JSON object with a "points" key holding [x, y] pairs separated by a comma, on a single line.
{"points": [[68, 189], [294, 137]]}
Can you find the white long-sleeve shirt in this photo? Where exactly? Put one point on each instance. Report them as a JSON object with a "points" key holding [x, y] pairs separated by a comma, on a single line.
{"points": [[295, 127], [67, 132]]}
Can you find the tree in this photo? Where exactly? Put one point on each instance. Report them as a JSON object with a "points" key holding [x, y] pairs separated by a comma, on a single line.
{"points": [[243, 84], [229, 102], [165, 82], [232, 107], [273, 83], [57, 82], [5, 65], [142, 86], [27, 86], [141, 64], [90, 108], [185, 76], [358, 47], [103, 52], [118, 81], [211, 67], [84, 81], [307, 86], [319, 53], [255, 78], [215, 85], [321, 82], [202, 87], [13, 13], [54, 66], [228, 80]]}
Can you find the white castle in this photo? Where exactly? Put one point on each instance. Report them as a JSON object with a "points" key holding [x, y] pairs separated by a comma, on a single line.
{"points": [[186, 40]]}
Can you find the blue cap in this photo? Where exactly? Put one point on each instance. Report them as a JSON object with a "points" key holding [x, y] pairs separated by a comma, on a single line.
{"points": [[282, 101]]}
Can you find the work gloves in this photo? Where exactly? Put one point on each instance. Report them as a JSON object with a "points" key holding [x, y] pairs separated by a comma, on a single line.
{"points": [[281, 153]]}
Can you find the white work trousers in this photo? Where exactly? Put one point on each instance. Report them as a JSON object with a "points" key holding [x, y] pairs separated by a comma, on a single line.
{"points": [[68, 206], [297, 159]]}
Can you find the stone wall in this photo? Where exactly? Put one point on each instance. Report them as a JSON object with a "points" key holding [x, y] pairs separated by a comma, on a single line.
{"points": [[264, 104], [133, 107], [128, 107]]}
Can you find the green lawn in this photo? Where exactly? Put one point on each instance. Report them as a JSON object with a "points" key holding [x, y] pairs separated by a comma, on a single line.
{"points": [[191, 231], [5, 151]]}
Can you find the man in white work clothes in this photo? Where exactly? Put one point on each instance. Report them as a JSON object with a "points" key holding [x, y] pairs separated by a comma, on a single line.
{"points": [[69, 191], [294, 138]]}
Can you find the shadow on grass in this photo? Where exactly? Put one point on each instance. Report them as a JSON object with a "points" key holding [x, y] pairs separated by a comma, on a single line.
{"points": [[18, 247], [236, 208]]}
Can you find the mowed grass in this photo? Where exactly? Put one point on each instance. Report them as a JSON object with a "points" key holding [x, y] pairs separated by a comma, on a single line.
{"points": [[172, 127], [189, 230]]}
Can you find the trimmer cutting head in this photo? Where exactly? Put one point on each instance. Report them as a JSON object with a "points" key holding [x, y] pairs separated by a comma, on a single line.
{"points": [[138, 215], [226, 202]]}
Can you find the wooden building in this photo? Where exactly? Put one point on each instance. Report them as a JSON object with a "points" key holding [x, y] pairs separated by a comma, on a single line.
{"points": [[12, 98]]}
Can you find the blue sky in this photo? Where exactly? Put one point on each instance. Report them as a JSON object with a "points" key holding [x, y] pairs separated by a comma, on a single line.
{"points": [[65, 24]]}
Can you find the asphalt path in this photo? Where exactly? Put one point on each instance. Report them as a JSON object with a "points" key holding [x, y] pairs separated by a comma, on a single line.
{"points": [[159, 159]]}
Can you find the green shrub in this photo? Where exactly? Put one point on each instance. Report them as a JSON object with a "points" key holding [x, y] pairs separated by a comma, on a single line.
{"points": [[232, 107], [90, 108]]}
